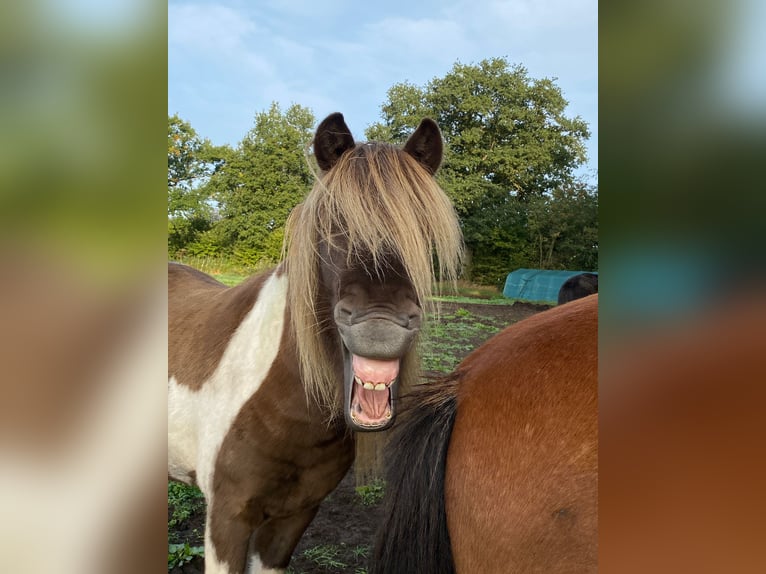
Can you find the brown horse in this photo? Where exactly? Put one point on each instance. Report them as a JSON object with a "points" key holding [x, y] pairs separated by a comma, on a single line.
{"points": [[260, 373], [495, 469]]}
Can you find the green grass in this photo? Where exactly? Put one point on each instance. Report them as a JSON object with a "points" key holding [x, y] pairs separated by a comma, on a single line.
{"points": [[466, 289], [226, 270], [371, 494], [326, 555], [462, 299], [446, 340]]}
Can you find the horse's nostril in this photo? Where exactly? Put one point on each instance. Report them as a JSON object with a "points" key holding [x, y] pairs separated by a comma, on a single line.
{"points": [[343, 314]]}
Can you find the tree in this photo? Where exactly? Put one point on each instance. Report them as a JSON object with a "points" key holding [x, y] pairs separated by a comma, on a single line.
{"points": [[260, 183], [563, 228], [507, 138], [191, 161]]}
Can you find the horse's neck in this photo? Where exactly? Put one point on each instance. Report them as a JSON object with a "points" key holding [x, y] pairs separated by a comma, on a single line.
{"points": [[275, 358]]}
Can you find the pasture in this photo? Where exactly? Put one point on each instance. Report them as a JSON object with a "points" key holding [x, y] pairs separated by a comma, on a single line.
{"points": [[340, 538]]}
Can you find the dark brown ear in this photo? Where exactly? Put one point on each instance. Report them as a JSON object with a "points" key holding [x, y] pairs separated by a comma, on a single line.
{"points": [[332, 139], [425, 145]]}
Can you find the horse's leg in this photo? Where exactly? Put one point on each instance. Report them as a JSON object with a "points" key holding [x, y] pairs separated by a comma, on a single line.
{"points": [[228, 529], [273, 543]]}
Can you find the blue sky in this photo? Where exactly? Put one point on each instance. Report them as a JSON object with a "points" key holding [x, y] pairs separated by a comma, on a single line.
{"points": [[229, 59]]}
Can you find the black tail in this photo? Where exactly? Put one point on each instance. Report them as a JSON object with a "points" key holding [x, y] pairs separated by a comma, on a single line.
{"points": [[413, 537]]}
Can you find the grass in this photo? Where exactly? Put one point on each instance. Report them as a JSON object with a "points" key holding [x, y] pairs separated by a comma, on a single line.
{"points": [[326, 555], [448, 339], [330, 557], [226, 270], [371, 494], [466, 289]]}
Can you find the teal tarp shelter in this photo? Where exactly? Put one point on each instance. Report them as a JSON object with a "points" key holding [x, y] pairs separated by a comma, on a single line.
{"points": [[537, 285]]}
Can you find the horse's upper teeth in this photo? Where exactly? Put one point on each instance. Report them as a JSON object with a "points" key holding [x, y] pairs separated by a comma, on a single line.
{"points": [[380, 387], [358, 380], [369, 386]]}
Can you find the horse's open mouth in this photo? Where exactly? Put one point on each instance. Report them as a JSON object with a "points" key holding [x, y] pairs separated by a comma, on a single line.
{"points": [[370, 392]]}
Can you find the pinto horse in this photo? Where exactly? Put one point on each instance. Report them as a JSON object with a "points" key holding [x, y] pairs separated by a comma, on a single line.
{"points": [[494, 469], [266, 379]]}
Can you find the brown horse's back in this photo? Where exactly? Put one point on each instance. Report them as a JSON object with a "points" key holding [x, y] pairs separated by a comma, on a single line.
{"points": [[522, 465]]}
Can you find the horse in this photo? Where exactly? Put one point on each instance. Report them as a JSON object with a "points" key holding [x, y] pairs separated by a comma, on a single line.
{"points": [[580, 285], [494, 468], [269, 379]]}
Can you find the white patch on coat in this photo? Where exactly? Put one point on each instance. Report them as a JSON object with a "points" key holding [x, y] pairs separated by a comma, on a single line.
{"points": [[256, 567], [198, 421]]}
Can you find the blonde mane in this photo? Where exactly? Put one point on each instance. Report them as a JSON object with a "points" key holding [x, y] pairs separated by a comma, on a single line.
{"points": [[379, 201]]}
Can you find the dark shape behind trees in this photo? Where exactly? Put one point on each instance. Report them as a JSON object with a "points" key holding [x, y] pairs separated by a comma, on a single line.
{"points": [[578, 286]]}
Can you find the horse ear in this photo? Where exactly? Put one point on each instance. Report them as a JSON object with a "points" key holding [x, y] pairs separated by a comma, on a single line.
{"points": [[425, 145], [332, 139]]}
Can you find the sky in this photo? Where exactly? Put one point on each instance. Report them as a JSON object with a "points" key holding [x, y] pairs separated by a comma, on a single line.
{"points": [[230, 59]]}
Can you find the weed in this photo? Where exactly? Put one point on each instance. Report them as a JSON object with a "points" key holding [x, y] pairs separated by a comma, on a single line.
{"points": [[179, 554], [360, 551], [371, 494], [184, 501]]}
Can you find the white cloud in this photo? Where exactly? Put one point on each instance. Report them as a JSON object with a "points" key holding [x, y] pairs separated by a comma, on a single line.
{"points": [[233, 58], [208, 28], [417, 39]]}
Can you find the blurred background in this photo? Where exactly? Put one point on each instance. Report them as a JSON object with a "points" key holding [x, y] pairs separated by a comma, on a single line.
{"points": [[82, 286], [682, 331]]}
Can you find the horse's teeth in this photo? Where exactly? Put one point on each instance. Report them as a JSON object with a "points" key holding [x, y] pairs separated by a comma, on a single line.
{"points": [[357, 380], [391, 382], [380, 387], [369, 386]]}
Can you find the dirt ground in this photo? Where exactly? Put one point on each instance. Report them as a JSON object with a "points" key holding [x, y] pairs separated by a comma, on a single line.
{"points": [[342, 533]]}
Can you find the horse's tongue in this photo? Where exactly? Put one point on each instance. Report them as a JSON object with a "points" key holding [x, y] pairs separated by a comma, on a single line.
{"points": [[374, 371], [374, 403]]}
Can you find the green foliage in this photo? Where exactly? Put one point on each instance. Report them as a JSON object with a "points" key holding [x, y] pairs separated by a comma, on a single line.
{"points": [[508, 141], [451, 337], [235, 202], [260, 182], [371, 494], [183, 501], [191, 162], [180, 554], [510, 156], [563, 226]]}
